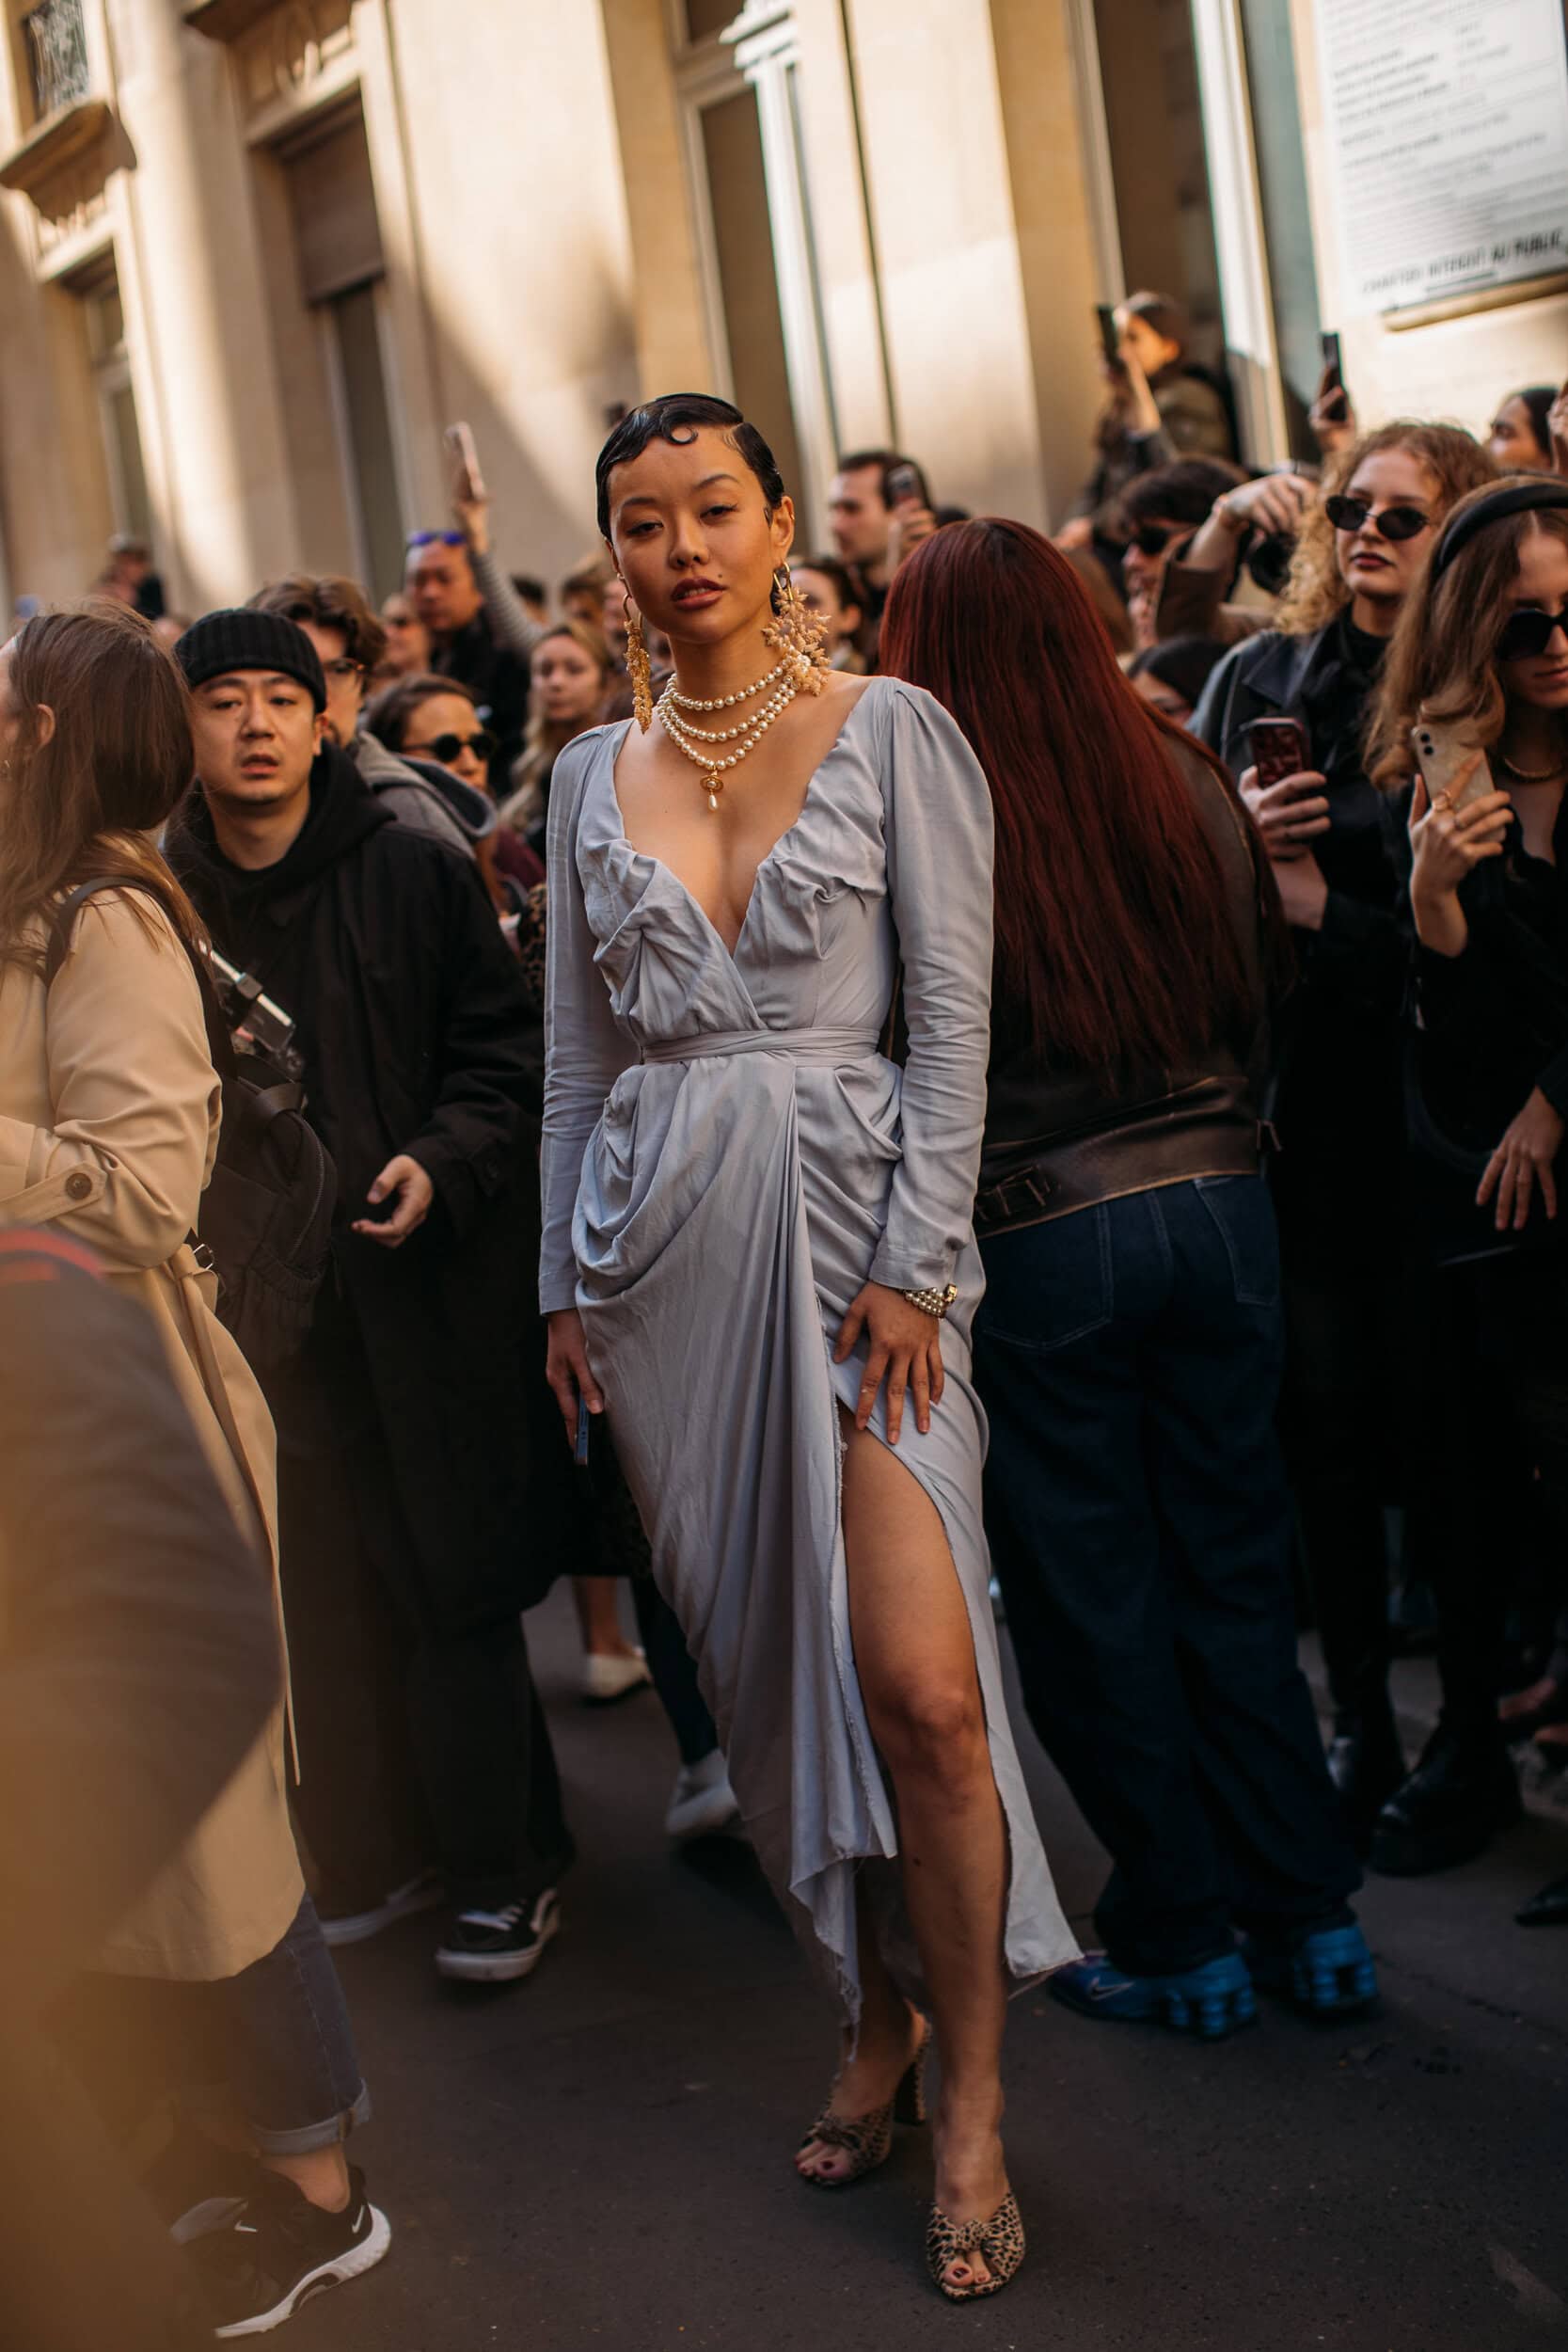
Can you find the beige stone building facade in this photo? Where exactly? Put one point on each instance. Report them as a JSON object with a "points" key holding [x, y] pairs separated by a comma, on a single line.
{"points": [[255, 254]]}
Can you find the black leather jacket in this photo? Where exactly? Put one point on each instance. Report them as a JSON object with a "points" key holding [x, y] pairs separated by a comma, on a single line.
{"points": [[1058, 1141]]}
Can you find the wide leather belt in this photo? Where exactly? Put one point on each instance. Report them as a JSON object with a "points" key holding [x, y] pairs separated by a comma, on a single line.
{"points": [[826, 1046]]}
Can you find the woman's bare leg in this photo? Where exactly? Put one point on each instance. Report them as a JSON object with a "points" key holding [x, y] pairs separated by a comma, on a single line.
{"points": [[598, 1607], [890, 2036], [914, 1656]]}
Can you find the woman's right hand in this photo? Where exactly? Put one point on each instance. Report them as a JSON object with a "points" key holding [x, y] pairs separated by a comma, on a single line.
{"points": [[566, 1368], [1290, 815], [1446, 845], [1275, 502]]}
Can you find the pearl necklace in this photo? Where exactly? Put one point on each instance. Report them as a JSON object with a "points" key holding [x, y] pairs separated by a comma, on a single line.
{"points": [[690, 740], [725, 702]]}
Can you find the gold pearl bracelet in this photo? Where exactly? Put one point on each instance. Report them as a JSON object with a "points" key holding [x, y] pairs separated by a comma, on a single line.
{"points": [[934, 1303]]}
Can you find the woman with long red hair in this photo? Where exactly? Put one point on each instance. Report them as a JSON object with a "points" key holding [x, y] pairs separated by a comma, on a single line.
{"points": [[1128, 1351]]}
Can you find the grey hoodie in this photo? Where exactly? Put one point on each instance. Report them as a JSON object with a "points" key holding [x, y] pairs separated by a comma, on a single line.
{"points": [[418, 802]]}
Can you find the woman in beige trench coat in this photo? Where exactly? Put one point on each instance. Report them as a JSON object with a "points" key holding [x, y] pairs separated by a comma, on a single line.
{"points": [[108, 1127], [109, 1116]]}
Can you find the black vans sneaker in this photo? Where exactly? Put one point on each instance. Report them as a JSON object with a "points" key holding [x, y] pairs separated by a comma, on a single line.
{"points": [[279, 2250], [496, 1946]]}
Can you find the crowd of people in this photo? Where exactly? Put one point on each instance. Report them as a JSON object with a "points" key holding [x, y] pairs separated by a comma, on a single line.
{"points": [[1109, 989]]}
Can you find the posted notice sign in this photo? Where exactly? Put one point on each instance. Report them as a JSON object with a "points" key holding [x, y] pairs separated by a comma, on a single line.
{"points": [[1448, 142]]}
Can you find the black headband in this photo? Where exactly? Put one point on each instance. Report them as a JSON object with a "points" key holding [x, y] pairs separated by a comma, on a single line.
{"points": [[1514, 498]]}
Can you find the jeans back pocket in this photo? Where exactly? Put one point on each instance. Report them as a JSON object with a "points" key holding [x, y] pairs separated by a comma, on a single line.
{"points": [[1243, 1214]]}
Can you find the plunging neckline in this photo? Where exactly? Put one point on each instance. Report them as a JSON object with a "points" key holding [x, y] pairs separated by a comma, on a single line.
{"points": [[649, 857]]}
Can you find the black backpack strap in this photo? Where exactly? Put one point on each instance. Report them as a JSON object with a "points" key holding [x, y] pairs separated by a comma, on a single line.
{"points": [[219, 1044]]}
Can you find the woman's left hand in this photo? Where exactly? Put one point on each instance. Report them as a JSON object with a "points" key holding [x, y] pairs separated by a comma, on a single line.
{"points": [[905, 1349], [1524, 1159]]}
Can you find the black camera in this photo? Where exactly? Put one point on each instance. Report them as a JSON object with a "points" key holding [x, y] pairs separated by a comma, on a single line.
{"points": [[256, 1025]]}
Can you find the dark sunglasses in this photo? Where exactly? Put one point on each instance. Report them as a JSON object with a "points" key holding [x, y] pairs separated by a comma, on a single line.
{"points": [[1154, 538], [1395, 522], [1529, 632], [445, 748], [436, 539]]}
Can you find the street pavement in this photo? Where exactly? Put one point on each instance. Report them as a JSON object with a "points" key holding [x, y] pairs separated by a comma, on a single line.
{"points": [[600, 2156]]}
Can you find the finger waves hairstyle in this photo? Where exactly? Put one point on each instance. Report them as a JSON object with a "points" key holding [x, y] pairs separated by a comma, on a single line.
{"points": [[679, 416]]}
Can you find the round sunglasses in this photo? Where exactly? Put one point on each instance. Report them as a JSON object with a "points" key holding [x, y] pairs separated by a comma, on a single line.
{"points": [[444, 749], [1395, 522], [1528, 631]]}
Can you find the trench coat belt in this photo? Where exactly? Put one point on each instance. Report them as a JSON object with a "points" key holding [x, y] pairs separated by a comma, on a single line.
{"points": [[825, 1046]]}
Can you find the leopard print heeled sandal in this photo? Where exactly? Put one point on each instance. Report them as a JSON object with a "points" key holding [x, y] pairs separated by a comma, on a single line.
{"points": [[867, 2139], [998, 2238]]}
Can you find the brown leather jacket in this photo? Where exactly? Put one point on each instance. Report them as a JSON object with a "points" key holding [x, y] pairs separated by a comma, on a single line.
{"points": [[1058, 1141]]}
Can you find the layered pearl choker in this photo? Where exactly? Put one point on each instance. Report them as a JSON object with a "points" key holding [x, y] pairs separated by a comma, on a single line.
{"points": [[725, 702], [786, 684]]}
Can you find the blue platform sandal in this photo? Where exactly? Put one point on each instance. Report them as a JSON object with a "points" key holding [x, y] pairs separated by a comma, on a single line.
{"points": [[1329, 1973], [1211, 2001]]}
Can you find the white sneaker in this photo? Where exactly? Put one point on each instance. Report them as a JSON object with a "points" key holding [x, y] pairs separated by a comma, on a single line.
{"points": [[356, 1927], [607, 1679], [702, 1803]]}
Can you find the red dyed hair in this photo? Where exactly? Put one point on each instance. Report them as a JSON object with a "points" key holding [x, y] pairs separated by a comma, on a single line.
{"points": [[1114, 948]]}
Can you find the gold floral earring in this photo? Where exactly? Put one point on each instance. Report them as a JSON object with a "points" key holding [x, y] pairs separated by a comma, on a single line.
{"points": [[639, 668], [796, 633]]}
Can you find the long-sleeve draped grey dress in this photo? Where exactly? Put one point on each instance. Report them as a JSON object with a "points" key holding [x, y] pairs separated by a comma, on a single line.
{"points": [[728, 1158]]}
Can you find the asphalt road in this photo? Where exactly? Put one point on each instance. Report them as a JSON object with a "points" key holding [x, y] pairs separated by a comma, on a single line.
{"points": [[601, 2156]]}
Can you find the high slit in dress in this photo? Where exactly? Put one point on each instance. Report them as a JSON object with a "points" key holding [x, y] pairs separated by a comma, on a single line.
{"points": [[727, 1159]]}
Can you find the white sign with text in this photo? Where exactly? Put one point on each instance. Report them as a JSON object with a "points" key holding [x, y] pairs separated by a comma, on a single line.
{"points": [[1448, 130]]}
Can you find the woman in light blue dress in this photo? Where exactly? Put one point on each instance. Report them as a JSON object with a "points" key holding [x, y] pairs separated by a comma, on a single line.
{"points": [[758, 1262]]}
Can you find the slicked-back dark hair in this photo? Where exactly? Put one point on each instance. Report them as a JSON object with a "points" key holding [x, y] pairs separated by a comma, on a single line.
{"points": [[389, 715], [679, 416], [887, 462]]}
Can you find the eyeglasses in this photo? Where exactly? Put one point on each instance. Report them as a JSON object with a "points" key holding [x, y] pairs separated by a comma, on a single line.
{"points": [[1528, 631], [436, 539], [1154, 538], [1395, 522], [446, 748], [343, 667]]}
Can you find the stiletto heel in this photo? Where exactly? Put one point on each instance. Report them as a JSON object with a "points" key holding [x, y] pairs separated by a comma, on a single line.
{"points": [[909, 2100], [998, 2238], [867, 2139]]}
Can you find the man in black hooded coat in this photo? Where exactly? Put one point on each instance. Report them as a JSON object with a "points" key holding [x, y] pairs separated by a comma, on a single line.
{"points": [[404, 1429]]}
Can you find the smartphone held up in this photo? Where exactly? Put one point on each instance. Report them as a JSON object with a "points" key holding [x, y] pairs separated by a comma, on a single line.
{"points": [[1333, 399], [1279, 749], [1443, 755], [460, 442]]}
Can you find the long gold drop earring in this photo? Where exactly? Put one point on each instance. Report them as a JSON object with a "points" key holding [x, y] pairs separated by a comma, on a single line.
{"points": [[639, 668], [796, 633]]}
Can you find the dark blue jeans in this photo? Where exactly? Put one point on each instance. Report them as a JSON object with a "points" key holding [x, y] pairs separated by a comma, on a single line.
{"points": [[1129, 1357], [271, 2047]]}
